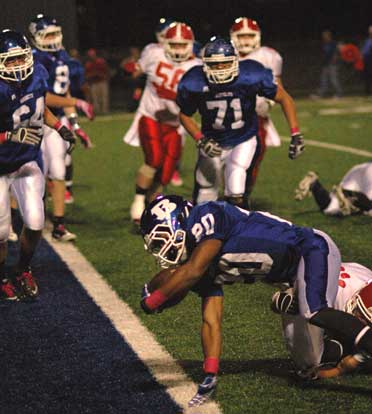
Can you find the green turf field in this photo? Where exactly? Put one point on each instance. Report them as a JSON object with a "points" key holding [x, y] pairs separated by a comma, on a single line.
{"points": [[254, 369]]}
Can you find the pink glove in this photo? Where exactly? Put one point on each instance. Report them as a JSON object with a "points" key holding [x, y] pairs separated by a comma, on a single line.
{"points": [[84, 138], [85, 107]]}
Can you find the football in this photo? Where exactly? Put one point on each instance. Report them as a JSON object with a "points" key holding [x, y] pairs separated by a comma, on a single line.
{"points": [[158, 281]]}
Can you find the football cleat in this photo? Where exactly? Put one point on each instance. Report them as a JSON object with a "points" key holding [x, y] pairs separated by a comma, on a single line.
{"points": [[69, 198], [8, 291], [27, 284], [176, 179], [346, 205], [60, 233], [304, 186], [205, 391]]}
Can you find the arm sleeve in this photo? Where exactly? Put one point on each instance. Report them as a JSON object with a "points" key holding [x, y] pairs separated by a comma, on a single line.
{"points": [[267, 87], [208, 223], [185, 99]]}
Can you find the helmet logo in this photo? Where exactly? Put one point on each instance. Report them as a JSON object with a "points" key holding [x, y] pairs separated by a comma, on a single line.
{"points": [[163, 209]]}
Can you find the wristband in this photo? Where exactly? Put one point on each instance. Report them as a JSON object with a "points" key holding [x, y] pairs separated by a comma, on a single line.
{"points": [[210, 365], [155, 300], [198, 136], [57, 125], [295, 131]]}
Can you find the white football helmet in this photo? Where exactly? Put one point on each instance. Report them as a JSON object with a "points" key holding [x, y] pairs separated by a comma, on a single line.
{"points": [[178, 42], [361, 302], [246, 35]]}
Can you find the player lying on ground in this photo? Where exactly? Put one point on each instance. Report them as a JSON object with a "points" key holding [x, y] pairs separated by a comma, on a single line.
{"points": [[216, 243], [352, 196], [318, 354]]}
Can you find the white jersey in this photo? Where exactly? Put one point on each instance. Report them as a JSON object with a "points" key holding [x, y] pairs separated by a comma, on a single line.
{"points": [[358, 178], [353, 277], [305, 341], [158, 98], [271, 59], [268, 57]]}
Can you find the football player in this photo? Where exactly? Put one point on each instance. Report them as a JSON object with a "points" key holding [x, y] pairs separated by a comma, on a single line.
{"points": [[216, 242], [352, 196], [314, 354], [23, 86], [224, 91], [46, 35], [158, 123], [245, 33]]}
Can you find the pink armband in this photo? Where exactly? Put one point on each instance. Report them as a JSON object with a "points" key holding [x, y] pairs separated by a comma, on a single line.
{"points": [[57, 125], [198, 136], [295, 131], [210, 365], [155, 300]]}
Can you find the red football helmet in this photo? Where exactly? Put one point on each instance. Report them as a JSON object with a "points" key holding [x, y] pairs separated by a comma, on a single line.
{"points": [[246, 35], [362, 302], [178, 42]]}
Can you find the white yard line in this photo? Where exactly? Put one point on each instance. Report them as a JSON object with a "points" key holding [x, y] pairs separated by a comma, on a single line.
{"points": [[161, 364], [336, 147]]}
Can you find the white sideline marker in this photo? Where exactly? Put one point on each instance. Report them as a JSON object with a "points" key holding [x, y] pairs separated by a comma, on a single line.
{"points": [[161, 364], [336, 147]]}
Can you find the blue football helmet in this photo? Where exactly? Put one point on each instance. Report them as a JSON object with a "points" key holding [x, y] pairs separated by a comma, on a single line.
{"points": [[16, 60], [161, 28], [163, 228], [220, 61], [46, 33]]}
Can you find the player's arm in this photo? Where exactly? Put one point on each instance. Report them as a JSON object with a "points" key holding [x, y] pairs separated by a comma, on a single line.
{"points": [[211, 331], [297, 145], [185, 276], [209, 145]]}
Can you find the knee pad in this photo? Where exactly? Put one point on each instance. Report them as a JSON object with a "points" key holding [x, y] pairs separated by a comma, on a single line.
{"points": [[206, 194], [147, 171]]}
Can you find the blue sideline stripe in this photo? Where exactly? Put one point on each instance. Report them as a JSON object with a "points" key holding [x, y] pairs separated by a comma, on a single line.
{"points": [[61, 354]]}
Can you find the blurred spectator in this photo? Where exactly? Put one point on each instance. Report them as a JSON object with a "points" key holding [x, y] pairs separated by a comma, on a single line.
{"points": [[367, 57], [97, 74], [330, 65], [136, 85]]}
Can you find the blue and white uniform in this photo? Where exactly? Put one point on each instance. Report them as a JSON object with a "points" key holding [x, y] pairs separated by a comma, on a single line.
{"points": [[228, 116], [53, 147], [258, 245], [22, 105]]}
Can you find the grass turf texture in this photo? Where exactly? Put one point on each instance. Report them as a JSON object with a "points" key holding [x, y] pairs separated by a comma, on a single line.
{"points": [[254, 374]]}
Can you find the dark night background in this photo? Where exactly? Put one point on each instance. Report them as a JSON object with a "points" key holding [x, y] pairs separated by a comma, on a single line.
{"points": [[293, 27]]}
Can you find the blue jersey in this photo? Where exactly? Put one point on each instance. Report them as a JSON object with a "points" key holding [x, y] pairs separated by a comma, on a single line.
{"points": [[21, 105], [255, 244], [76, 78], [227, 111], [57, 65]]}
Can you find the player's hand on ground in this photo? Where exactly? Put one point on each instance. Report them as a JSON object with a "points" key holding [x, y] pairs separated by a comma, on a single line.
{"points": [[209, 146], [29, 136], [205, 391], [297, 146], [285, 302]]}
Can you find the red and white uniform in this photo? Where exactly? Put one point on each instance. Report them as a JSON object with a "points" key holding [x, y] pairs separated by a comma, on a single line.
{"points": [[269, 58], [156, 125], [305, 341], [158, 99]]}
